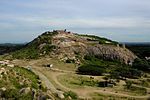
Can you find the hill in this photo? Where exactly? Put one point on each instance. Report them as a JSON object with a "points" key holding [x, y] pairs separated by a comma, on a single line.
{"points": [[72, 46], [76, 66], [7, 48], [142, 50]]}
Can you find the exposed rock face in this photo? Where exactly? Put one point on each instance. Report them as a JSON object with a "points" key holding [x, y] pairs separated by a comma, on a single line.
{"points": [[68, 45], [111, 52]]}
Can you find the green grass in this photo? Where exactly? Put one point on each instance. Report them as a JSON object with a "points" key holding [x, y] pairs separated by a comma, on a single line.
{"points": [[98, 96], [32, 50], [135, 90], [11, 81], [13, 94], [77, 81], [71, 94], [100, 39], [28, 74]]}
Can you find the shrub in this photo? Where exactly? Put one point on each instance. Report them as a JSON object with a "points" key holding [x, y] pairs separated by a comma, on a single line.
{"points": [[71, 94], [128, 84], [48, 48], [126, 71], [141, 64], [70, 61], [103, 84], [91, 69], [10, 93], [137, 90]]}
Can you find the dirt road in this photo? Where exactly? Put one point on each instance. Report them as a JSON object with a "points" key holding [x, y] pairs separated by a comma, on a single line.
{"points": [[83, 93]]}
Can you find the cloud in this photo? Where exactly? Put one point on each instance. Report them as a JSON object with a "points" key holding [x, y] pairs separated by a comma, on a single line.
{"points": [[103, 22], [119, 17]]}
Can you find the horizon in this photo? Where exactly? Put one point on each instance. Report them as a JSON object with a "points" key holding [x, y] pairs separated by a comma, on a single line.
{"points": [[118, 20]]}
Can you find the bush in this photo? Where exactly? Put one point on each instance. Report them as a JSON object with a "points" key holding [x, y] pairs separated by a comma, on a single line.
{"points": [[141, 64], [103, 84], [91, 69], [48, 48], [13, 94], [71, 94], [29, 53], [128, 84], [70, 61], [126, 71], [10, 93], [137, 90]]}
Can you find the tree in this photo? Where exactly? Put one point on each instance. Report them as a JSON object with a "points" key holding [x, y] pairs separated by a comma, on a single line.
{"points": [[141, 64]]}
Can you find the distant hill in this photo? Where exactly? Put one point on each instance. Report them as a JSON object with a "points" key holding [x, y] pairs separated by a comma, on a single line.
{"points": [[142, 50], [8, 47], [72, 46]]}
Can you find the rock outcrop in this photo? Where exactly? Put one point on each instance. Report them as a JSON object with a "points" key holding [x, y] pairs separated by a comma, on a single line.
{"points": [[68, 45]]}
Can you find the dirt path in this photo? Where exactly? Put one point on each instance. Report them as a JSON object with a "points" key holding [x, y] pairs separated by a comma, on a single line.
{"points": [[45, 80], [82, 93], [50, 87]]}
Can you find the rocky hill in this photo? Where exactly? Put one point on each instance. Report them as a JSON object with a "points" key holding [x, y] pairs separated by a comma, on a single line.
{"points": [[72, 46]]}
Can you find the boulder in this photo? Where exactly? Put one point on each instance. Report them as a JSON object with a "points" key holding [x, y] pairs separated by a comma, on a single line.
{"points": [[60, 95], [25, 90], [3, 89]]}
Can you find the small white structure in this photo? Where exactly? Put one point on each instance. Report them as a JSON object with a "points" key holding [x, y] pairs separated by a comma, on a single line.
{"points": [[51, 65]]}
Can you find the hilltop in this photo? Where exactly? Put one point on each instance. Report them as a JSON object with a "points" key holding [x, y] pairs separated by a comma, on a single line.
{"points": [[77, 66], [69, 46]]}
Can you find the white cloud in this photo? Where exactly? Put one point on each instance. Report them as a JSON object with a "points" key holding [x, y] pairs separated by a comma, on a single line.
{"points": [[108, 22]]}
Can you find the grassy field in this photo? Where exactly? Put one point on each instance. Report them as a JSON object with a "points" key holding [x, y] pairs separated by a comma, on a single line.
{"points": [[77, 81], [81, 81], [98, 96], [79, 84], [56, 64]]}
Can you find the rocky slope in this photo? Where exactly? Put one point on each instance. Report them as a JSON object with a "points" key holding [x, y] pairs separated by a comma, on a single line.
{"points": [[67, 45], [18, 83]]}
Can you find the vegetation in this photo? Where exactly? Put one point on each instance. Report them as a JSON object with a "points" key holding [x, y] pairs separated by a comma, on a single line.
{"points": [[32, 49], [18, 79], [71, 94], [77, 81], [141, 64], [70, 61], [28, 74], [135, 89], [91, 69], [100, 39], [98, 96], [7, 48], [126, 71], [128, 84], [27, 53], [15, 95], [95, 66], [141, 50]]}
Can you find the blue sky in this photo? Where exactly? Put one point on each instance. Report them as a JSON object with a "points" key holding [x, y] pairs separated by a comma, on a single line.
{"points": [[120, 20]]}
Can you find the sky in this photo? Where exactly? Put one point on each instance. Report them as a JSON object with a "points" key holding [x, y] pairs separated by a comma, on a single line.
{"points": [[121, 20]]}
